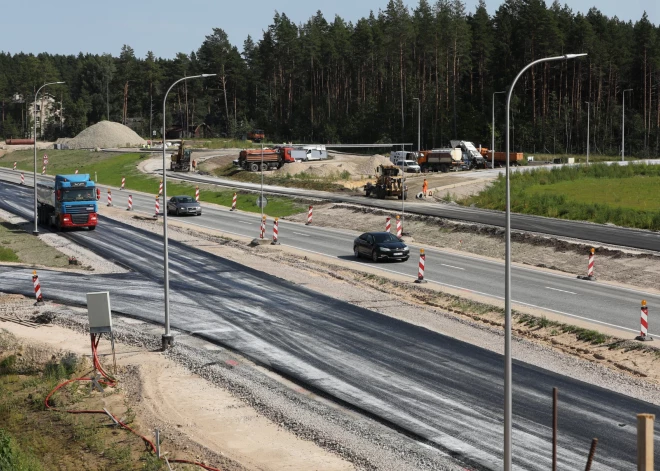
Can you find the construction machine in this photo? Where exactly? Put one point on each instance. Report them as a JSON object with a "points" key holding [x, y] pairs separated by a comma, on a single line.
{"points": [[389, 182], [181, 159]]}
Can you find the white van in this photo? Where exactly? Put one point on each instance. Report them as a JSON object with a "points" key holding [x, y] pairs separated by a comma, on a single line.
{"points": [[396, 156], [409, 166]]}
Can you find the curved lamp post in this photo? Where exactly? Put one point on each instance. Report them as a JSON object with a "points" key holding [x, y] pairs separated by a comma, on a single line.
{"points": [[492, 133], [507, 271], [167, 336], [34, 118]]}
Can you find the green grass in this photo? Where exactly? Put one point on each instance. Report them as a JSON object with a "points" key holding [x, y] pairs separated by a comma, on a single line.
{"points": [[579, 158], [7, 254], [625, 196], [110, 168]]}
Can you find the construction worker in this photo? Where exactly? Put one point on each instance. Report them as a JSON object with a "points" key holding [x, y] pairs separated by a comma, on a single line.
{"points": [[425, 187], [194, 165]]}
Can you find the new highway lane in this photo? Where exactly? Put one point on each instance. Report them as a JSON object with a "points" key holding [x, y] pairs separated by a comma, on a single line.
{"points": [[443, 390]]}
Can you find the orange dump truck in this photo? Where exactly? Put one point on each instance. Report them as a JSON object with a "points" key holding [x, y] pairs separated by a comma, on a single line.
{"points": [[500, 157]]}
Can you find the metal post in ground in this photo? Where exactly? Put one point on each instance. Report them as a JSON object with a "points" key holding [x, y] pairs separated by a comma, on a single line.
{"points": [[645, 442], [555, 393], [592, 452]]}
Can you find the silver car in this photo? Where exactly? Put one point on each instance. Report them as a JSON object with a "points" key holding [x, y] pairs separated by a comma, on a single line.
{"points": [[181, 205]]}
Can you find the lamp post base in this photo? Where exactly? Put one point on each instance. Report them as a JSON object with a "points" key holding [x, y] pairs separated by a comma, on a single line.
{"points": [[168, 341], [36, 233]]}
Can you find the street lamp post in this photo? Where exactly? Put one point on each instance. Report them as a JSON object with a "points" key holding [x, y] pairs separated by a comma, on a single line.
{"points": [[507, 272], [588, 116], [623, 125], [492, 142], [34, 118], [167, 336], [419, 123]]}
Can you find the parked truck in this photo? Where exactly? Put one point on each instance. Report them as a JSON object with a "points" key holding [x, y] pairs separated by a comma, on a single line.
{"points": [[69, 201], [515, 158], [389, 182], [440, 160], [471, 156], [256, 135], [252, 160]]}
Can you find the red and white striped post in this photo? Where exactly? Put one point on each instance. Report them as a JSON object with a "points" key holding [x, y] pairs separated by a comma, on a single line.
{"points": [[644, 325], [43, 170], [399, 228], [388, 224], [275, 232], [123, 182], [422, 263], [14, 165], [22, 179], [37, 288], [233, 203], [160, 188], [197, 194], [76, 172], [130, 203], [109, 198], [157, 207], [262, 231], [590, 269], [309, 215]]}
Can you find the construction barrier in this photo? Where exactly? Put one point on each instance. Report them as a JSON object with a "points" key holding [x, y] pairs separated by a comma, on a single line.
{"points": [[43, 170], [14, 165], [157, 207], [130, 203], [262, 232], [123, 182], [644, 323], [422, 263], [22, 179], [109, 198], [160, 188], [388, 224], [309, 215], [37, 288], [275, 231], [399, 227], [98, 194], [233, 203], [590, 267], [76, 172], [197, 194]]}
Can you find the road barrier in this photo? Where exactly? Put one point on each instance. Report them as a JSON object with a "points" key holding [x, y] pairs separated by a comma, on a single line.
{"points": [[98, 194], [262, 231], [157, 207], [76, 172], [197, 194], [160, 188], [644, 323], [130, 203], [275, 232], [399, 227], [422, 263], [43, 170], [14, 165], [590, 267], [388, 224], [109, 198], [123, 182], [22, 179], [309, 215], [37, 288], [233, 203]]}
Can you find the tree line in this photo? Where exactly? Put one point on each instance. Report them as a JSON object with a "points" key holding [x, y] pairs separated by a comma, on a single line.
{"points": [[335, 81]]}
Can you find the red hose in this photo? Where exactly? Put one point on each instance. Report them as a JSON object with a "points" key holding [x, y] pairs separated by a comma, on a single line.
{"points": [[110, 381]]}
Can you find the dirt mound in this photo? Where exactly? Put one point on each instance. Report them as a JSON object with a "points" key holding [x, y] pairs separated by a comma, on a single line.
{"points": [[368, 166], [357, 166], [105, 134]]}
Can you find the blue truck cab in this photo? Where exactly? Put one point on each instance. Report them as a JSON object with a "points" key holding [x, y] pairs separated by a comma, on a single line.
{"points": [[69, 201]]}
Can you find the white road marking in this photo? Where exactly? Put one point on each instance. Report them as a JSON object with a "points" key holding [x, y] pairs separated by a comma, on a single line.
{"points": [[452, 266], [301, 234], [245, 222], [563, 291]]}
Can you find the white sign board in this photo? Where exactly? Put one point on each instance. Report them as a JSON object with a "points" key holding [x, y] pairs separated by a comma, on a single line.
{"points": [[99, 313]]}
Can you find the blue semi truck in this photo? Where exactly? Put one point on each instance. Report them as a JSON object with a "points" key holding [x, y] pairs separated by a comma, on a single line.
{"points": [[69, 201]]}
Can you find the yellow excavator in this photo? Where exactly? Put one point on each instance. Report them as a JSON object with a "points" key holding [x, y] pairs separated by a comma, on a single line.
{"points": [[389, 182], [181, 159]]}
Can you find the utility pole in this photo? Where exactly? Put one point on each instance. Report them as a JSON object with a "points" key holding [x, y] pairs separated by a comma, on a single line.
{"points": [[588, 116], [492, 129], [623, 125], [419, 124]]}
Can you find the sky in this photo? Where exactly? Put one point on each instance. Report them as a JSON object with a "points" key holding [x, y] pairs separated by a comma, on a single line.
{"points": [[167, 27]]}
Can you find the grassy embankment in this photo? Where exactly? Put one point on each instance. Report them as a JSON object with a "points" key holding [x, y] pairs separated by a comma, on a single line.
{"points": [[626, 196], [35, 439], [110, 168], [17, 245]]}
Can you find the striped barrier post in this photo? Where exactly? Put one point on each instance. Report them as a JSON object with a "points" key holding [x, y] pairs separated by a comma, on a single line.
{"points": [[262, 231], [644, 323], [130, 203], [22, 179], [309, 215], [14, 165], [157, 207], [399, 228], [37, 288], [43, 170], [388, 224], [275, 232], [590, 269], [160, 188], [233, 203], [76, 172], [109, 198], [98, 194], [422, 263], [123, 182], [197, 194]]}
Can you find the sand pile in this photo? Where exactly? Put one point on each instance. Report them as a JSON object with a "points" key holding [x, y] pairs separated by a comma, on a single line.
{"points": [[105, 134], [357, 166], [368, 166]]}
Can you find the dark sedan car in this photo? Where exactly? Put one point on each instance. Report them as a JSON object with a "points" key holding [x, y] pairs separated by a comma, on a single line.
{"points": [[380, 245], [181, 205]]}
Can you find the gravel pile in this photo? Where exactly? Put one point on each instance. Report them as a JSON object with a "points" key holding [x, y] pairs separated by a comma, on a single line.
{"points": [[105, 134], [355, 166]]}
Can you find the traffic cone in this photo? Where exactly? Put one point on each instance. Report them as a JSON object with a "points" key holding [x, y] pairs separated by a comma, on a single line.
{"points": [[37, 289], [309, 215], [590, 267], [197, 194], [275, 232], [422, 263], [130, 203], [388, 224], [233, 203], [123, 182], [644, 324]]}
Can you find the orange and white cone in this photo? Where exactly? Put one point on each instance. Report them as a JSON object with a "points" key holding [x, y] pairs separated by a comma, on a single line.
{"points": [[123, 182], [422, 264], [157, 207], [309, 215], [644, 325], [388, 224], [399, 227], [233, 203], [22, 179], [160, 188], [276, 232], [130, 203], [109, 198], [590, 267], [197, 194], [37, 288]]}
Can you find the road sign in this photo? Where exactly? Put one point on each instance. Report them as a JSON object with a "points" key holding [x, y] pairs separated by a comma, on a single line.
{"points": [[262, 201], [154, 132]]}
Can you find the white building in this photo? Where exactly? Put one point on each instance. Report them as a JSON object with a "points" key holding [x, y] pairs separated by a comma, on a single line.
{"points": [[47, 109]]}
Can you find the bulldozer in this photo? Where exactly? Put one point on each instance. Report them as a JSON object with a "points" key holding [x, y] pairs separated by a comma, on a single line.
{"points": [[181, 159], [389, 182]]}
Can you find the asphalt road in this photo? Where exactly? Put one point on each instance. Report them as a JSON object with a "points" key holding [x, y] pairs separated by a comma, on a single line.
{"points": [[445, 391]]}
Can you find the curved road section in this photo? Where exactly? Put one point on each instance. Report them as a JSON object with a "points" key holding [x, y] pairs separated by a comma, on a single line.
{"points": [[446, 392]]}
